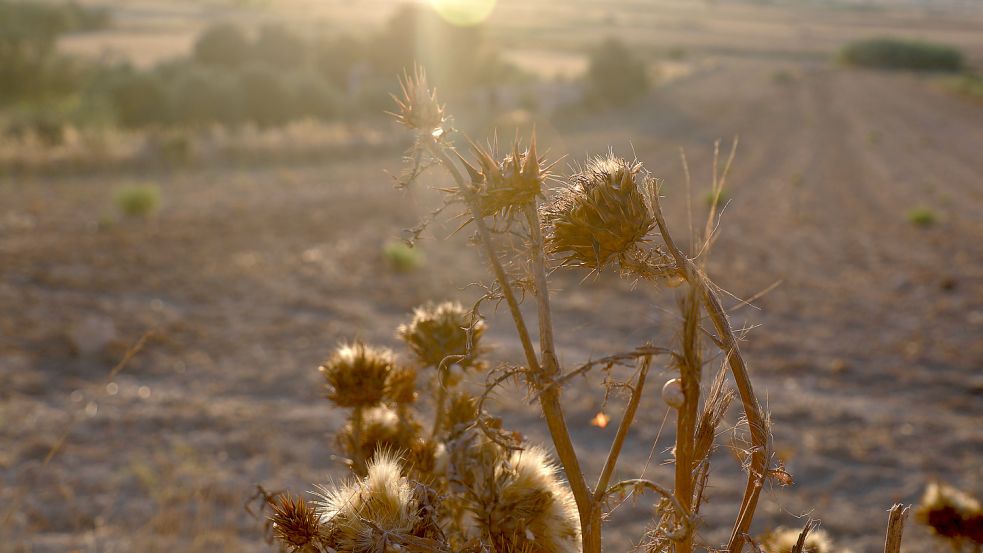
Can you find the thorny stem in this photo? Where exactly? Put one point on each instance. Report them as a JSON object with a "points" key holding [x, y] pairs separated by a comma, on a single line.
{"points": [[358, 418], [895, 528], [752, 409], [486, 242], [689, 372], [590, 519], [619, 438], [686, 524], [549, 399], [439, 410]]}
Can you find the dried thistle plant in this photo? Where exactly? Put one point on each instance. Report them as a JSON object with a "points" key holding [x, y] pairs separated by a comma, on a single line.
{"points": [[953, 515], [472, 486]]}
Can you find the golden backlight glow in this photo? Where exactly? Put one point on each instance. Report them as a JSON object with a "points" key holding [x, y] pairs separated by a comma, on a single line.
{"points": [[464, 12]]}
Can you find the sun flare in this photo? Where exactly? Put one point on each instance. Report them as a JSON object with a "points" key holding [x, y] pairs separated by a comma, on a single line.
{"points": [[464, 12]]}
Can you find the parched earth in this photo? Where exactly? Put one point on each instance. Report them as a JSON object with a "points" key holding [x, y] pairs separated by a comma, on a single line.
{"points": [[866, 348]]}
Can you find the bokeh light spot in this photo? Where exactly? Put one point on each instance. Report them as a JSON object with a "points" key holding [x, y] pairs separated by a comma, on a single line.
{"points": [[464, 12]]}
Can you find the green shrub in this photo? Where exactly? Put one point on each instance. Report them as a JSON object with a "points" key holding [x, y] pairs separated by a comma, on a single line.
{"points": [[970, 84], [615, 75], [335, 57], [311, 95], [139, 99], [922, 216], [265, 98], [893, 53], [222, 44], [46, 122], [138, 200], [202, 96], [278, 47], [718, 200], [30, 68], [401, 257]]}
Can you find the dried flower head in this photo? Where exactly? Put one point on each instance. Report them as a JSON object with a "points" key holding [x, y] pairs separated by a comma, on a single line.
{"points": [[401, 386], [782, 540], [418, 107], [603, 213], [356, 374], [951, 513], [295, 523], [381, 430], [461, 411], [381, 512], [439, 331], [508, 185], [534, 510]]}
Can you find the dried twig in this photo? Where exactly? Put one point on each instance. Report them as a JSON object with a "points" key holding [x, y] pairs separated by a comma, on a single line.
{"points": [[895, 528], [809, 526], [752, 409], [623, 426]]}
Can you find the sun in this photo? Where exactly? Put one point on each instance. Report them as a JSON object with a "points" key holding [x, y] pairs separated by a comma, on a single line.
{"points": [[464, 12]]}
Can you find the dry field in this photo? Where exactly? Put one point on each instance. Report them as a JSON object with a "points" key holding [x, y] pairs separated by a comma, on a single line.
{"points": [[868, 351]]}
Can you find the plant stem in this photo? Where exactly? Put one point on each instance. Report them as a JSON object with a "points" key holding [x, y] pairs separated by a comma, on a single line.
{"points": [[486, 242], [752, 409], [358, 421], [895, 528], [619, 438], [440, 407], [689, 372], [549, 398]]}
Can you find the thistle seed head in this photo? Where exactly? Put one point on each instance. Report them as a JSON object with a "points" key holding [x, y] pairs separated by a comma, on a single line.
{"points": [[356, 374], [401, 386], [461, 411], [382, 430], [535, 510], [439, 331], [380, 512], [951, 513], [506, 186], [295, 523], [603, 213], [782, 540], [418, 107]]}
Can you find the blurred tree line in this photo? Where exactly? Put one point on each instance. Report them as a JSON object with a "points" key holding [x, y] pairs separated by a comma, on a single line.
{"points": [[267, 76]]}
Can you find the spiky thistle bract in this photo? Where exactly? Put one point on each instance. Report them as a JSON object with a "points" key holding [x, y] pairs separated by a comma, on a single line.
{"points": [[381, 512], [356, 374], [295, 522], [505, 185], [601, 213], [418, 107], [439, 331]]}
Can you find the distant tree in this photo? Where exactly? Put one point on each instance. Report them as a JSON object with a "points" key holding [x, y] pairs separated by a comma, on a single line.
{"points": [[31, 70], [139, 99], [265, 98], [279, 47], [895, 53], [203, 96], [335, 57], [223, 44], [312, 95], [616, 76]]}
